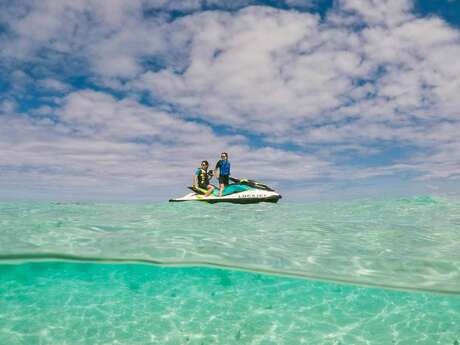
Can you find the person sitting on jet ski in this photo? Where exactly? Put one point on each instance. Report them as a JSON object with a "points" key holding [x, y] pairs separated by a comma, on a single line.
{"points": [[224, 171], [201, 178]]}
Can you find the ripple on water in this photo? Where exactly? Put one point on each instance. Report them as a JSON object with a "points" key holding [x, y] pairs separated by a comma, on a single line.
{"points": [[409, 243], [69, 303]]}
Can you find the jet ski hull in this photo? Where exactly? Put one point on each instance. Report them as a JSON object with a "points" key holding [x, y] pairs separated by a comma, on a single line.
{"points": [[247, 197]]}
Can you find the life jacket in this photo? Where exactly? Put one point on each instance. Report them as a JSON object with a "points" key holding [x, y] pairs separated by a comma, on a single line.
{"points": [[203, 178], [224, 167]]}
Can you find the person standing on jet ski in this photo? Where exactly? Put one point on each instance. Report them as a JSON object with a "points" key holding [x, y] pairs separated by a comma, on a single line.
{"points": [[201, 178], [224, 171]]}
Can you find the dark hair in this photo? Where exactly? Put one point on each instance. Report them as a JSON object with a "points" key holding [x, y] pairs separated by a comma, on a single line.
{"points": [[205, 162], [224, 153]]}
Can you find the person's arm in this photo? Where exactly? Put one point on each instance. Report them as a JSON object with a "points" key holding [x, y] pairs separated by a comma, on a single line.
{"points": [[195, 179], [215, 170]]}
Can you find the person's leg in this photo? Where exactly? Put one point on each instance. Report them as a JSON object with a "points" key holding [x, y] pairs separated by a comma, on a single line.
{"points": [[210, 189], [223, 183]]}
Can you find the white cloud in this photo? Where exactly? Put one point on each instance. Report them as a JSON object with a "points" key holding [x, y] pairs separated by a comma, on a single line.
{"points": [[291, 80], [239, 69], [7, 106], [396, 69], [389, 13], [174, 5], [54, 85], [103, 142], [111, 35], [370, 75]]}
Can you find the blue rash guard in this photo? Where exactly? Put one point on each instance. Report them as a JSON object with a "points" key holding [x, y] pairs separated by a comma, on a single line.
{"points": [[224, 167], [224, 171]]}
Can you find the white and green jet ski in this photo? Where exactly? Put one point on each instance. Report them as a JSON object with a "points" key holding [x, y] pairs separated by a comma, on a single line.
{"points": [[240, 191]]}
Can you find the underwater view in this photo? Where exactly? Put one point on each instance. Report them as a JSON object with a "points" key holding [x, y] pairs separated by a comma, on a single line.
{"points": [[362, 272]]}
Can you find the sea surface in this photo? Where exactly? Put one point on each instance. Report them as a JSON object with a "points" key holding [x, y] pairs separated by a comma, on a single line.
{"points": [[361, 272]]}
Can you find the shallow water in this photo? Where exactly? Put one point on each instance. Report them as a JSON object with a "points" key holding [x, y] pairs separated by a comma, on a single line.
{"points": [[407, 249], [69, 303], [404, 243]]}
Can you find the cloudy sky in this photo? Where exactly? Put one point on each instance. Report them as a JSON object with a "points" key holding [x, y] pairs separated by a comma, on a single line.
{"points": [[121, 100]]}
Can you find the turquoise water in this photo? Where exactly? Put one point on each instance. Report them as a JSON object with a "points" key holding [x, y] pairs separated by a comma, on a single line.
{"points": [[193, 273]]}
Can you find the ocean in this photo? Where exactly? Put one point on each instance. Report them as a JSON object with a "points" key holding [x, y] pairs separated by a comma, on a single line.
{"points": [[356, 272]]}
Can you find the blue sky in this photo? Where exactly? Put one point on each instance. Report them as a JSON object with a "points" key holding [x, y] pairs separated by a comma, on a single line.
{"points": [[322, 99]]}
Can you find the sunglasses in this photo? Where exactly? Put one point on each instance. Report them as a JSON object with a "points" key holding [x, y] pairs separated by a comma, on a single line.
{"points": [[204, 165]]}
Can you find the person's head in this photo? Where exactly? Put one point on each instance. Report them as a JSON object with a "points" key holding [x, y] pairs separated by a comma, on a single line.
{"points": [[204, 164], [224, 156]]}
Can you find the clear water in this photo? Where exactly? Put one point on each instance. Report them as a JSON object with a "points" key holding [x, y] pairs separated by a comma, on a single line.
{"points": [[82, 273]]}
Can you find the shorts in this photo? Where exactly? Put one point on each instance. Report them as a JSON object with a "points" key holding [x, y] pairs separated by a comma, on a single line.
{"points": [[223, 179], [203, 186]]}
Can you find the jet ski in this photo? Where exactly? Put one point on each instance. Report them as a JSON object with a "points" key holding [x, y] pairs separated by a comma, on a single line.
{"points": [[240, 191]]}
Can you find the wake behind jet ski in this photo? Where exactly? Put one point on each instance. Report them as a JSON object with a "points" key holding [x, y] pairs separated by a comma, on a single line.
{"points": [[240, 191]]}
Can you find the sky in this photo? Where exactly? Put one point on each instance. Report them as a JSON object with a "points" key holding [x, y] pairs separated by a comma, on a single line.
{"points": [[321, 99]]}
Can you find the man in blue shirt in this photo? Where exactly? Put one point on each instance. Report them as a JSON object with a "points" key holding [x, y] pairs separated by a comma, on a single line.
{"points": [[224, 171]]}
